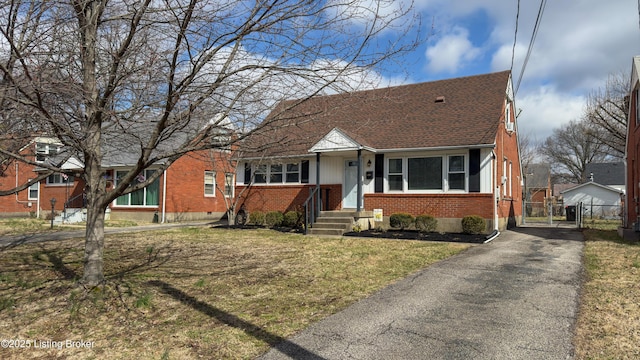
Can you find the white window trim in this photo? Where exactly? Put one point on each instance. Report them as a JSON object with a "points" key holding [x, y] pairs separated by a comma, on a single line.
{"points": [[115, 201], [68, 183], [213, 177], [465, 171], [268, 174], [445, 174], [37, 190], [230, 184]]}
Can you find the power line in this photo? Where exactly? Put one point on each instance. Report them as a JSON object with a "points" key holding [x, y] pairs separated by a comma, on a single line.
{"points": [[543, 3], [515, 35]]}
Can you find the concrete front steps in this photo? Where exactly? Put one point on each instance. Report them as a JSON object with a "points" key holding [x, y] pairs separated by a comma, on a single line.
{"points": [[333, 223]]}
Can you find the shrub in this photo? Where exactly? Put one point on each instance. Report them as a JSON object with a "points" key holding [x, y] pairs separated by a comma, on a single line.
{"points": [[426, 223], [273, 218], [256, 218], [291, 219], [473, 224], [400, 220]]}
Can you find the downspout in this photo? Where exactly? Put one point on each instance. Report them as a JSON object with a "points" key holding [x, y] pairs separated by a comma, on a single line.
{"points": [[359, 187], [496, 192], [38, 203], [164, 195], [18, 183]]}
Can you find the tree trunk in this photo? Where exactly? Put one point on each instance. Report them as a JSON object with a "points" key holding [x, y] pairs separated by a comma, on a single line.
{"points": [[93, 274], [94, 247]]}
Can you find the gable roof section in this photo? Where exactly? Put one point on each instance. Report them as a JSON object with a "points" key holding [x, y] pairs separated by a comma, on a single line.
{"points": [[336, 140], [393, 118], [538, 175], [591, 184], [606, 173]]}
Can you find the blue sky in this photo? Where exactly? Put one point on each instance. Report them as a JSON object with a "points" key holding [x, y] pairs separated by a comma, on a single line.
{"points": [[578, 45]]}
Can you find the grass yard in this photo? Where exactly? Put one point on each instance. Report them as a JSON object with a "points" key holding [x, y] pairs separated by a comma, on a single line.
{"points": [[191, 292], [18, 226], [608, 325]]}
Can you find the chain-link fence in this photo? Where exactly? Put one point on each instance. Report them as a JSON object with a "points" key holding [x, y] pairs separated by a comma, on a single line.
{"points": [[557, 211]]}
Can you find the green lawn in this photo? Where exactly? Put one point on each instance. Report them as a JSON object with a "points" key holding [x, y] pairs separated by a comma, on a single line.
{"points": [[193, 292]]}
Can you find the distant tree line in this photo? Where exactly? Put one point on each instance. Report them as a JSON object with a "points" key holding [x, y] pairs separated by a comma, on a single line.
{"points": [[598, 135]]}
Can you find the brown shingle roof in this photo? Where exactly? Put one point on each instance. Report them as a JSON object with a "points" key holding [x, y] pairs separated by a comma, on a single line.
{"points": [[401, 117]]}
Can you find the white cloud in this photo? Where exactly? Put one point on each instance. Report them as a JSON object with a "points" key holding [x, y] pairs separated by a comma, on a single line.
{"points": [[578, 45], [451, 52], [546, 109]]}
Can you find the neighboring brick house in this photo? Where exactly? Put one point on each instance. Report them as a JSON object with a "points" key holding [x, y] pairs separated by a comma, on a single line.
{"points": [[632, 153], [189, 189], [537, 181], [446, 148]]}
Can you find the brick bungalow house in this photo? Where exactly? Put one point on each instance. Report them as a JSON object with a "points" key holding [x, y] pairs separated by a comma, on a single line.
{"points": [[446, 148], [187, 190]]}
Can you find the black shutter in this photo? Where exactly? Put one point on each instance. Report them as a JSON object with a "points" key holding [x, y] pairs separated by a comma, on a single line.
{"points": [[474, 170], [304, 172], [247, 173], [379, 174]]}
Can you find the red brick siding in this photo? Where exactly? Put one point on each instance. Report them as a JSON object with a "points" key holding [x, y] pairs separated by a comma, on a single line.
{"points": [[286, 197], [437, 205], [10, 203], [61, 193], [632, 196], [185, 184], [510, 206]]}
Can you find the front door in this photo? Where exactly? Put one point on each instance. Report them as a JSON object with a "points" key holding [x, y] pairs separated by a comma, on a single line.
{"points": [[350, 190]]}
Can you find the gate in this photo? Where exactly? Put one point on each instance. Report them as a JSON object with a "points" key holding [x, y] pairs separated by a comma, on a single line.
{"points": [[547, 212], [578, 215]]}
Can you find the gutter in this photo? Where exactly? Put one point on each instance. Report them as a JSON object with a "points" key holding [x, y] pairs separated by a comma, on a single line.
{"points": [[376, 151]]}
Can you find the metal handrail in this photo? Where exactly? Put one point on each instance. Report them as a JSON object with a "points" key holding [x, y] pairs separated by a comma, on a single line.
{"points": [[70, 201], [311, 208]]}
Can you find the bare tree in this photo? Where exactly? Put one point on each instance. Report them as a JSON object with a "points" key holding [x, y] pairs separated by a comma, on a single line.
{"points": [[154, 79], [529, 149], [606, 110], [570, 148]]}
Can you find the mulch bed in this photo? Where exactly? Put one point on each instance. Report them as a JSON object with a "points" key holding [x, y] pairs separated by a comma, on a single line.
{"points": [[387, 234], [415, 235]]}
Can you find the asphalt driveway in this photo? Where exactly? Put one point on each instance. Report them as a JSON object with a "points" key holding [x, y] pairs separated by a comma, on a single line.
{"points": [[513, 298]]}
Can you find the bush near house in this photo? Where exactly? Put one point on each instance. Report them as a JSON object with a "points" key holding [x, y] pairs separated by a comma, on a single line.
{"points": [[473, 224], [291, 219], [401, 220], [273, 218], [256, 218], [426, 223]]}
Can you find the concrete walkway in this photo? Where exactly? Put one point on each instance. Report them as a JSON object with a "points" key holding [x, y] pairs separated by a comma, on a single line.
{"points": [[513, 298]]}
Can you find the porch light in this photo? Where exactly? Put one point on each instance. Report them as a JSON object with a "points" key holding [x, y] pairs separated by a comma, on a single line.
{"points": [[369, 163]]}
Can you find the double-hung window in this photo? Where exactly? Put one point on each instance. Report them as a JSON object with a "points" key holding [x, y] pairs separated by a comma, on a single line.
{"points": [[293, 173], [46, 150], [209, 183], [33, 191], [228, 184], [260, 176], [396, 182], [289, 173], [59, 179], [275, 174], [457, 174]]}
